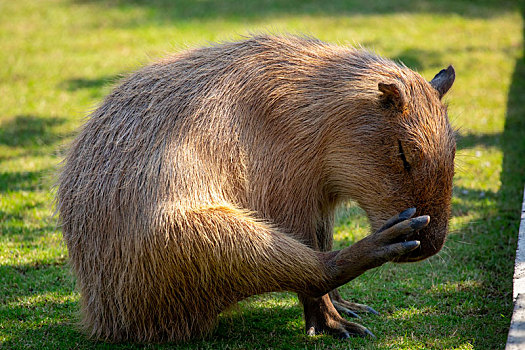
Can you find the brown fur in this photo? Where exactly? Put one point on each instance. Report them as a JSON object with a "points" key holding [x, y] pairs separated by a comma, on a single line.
{"points": [[213, 175]]}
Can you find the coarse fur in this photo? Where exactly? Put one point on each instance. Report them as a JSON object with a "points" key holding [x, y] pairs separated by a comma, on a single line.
{"points": [[213, 175]]}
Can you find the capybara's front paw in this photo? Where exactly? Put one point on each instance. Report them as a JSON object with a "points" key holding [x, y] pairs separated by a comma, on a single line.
{"points": [[391, 240], [386, 244]]}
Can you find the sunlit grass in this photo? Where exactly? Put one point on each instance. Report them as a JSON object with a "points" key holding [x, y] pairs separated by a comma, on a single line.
{"points": [[59, 58]]}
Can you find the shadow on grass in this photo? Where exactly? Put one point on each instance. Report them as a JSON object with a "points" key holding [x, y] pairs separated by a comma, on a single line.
{"points": [[513, 169], [35, 278], [56, 318], [465, 201], [27, 238], [46, 324], [83, 83], [49, 334], [36, 305], [419, 59], [165, 11], [473, 140], [252, 321], [513, 145], [25, 180], [492, 239], [30, 131]]}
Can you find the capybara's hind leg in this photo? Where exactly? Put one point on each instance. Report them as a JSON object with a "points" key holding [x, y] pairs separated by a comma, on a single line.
{"points": [[236, 256], [322, 317]]}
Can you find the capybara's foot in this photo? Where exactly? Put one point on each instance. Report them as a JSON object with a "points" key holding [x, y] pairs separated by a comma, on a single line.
{"points": [[321, 317], [347, 308]]}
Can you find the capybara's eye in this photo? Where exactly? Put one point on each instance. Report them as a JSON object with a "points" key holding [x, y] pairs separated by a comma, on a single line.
{"points": [[406, 164]]}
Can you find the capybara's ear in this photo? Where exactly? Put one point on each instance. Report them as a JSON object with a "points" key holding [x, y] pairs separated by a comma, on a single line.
{"points": [[393, 96], [443, 81]]}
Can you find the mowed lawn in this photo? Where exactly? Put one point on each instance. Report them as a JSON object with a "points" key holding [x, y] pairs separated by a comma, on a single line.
{"points": [[58, 58]]}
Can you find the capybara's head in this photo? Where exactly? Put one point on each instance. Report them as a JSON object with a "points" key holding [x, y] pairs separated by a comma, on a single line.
{"points": [[400, 152]]}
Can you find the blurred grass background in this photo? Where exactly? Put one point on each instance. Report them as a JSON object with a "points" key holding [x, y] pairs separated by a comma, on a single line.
{"points": [[58, 58]]}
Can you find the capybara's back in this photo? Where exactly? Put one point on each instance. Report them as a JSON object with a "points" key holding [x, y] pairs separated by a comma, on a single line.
{"points": [[186, 189]]}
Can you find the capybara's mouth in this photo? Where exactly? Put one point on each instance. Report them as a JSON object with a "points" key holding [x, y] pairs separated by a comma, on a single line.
{"points": [[431, 243]]}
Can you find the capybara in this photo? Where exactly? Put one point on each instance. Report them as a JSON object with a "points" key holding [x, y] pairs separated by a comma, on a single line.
{"points": [[213, 175]]}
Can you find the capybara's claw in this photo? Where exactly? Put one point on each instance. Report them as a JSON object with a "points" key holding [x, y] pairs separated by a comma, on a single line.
{"points": [[367, 333], [370, 334], [371, 310], [400, 230], [345, 335], [404, 215], [419, 222], [349, 308], [397, 249], [345, 311]]}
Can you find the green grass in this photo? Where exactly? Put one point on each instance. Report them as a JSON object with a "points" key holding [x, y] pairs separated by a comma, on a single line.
{"points": [[58, 58]]}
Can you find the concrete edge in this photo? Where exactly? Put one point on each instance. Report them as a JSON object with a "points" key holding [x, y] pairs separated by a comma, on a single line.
{"points": [[516, 338]]}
